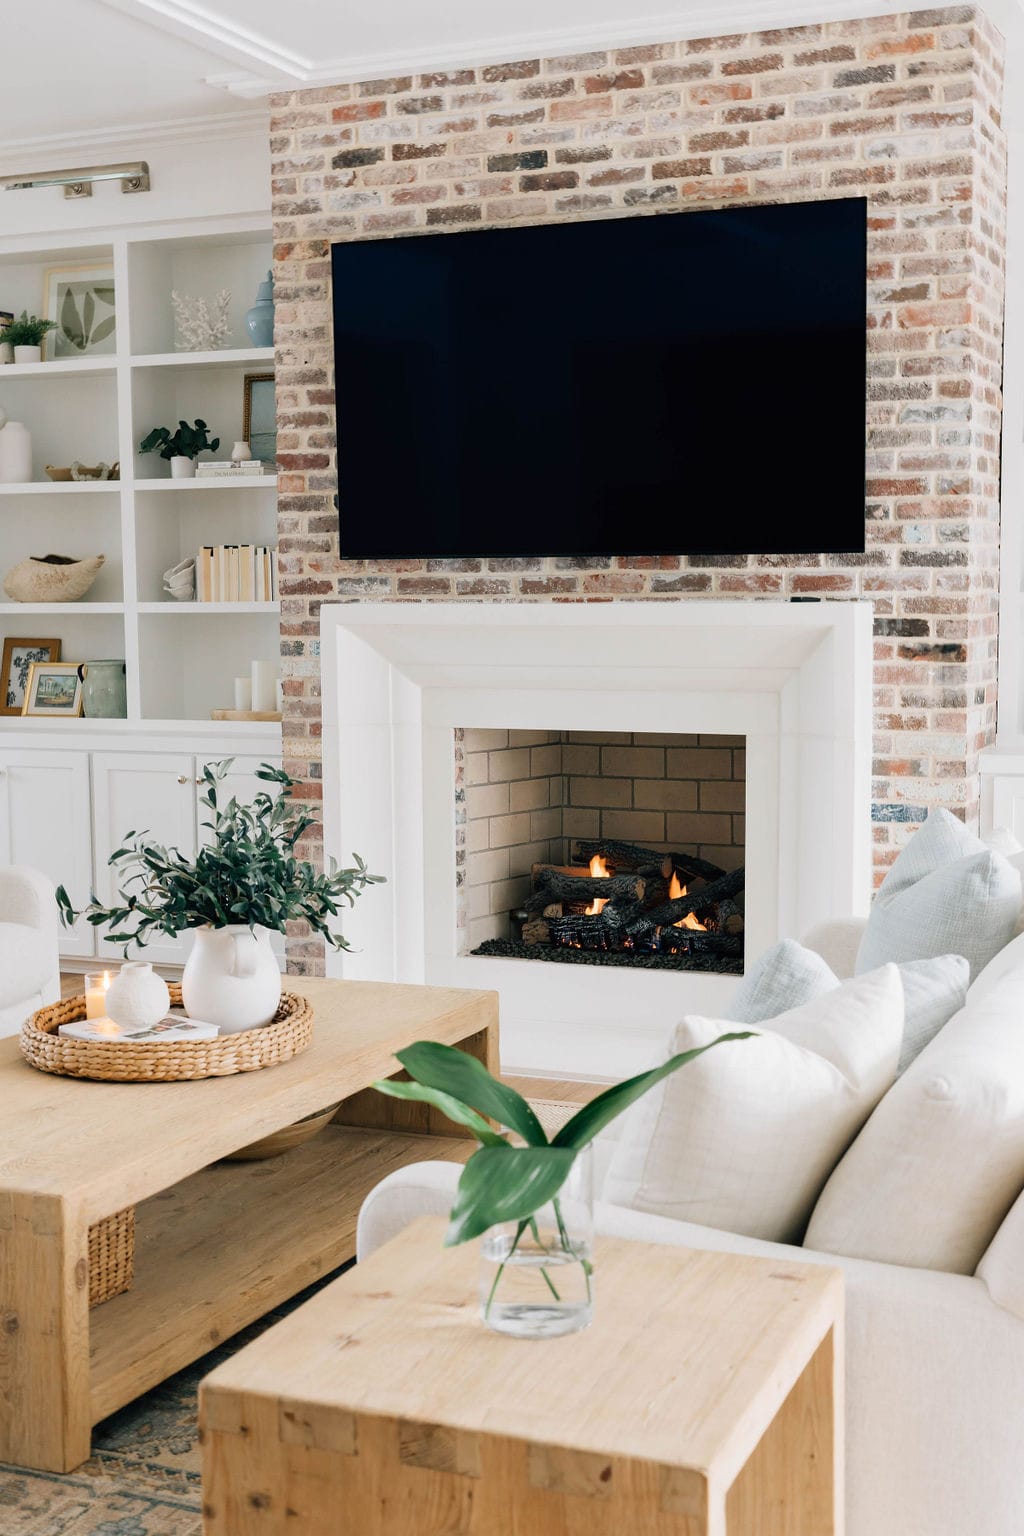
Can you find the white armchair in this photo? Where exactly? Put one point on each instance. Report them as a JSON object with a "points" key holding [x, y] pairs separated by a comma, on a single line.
{"points": [[29, 960]]}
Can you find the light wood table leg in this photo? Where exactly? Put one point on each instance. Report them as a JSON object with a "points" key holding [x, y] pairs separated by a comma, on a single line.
{"points": [[45, 1420], [793, 1483]]}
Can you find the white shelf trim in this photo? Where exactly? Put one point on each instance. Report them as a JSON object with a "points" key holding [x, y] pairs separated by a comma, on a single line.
{"points": [[210, 482], [90, 609], [229, 357], [59, 487], [170, 608], [106, 363]]}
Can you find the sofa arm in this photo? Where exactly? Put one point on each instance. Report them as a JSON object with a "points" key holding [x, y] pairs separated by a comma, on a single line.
{"points": [[837, 942], [27, 897]]}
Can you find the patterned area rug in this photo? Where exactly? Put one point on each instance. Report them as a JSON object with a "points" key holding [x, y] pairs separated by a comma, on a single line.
{"points": [[143, 1476]]}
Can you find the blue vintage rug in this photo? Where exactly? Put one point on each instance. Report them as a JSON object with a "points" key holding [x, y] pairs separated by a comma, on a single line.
{"points": [[143, 1476]]}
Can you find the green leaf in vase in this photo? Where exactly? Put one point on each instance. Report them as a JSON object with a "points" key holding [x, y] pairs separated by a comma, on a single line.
{"points": [[501, 1184], [465, 1078], [460, 1113]]}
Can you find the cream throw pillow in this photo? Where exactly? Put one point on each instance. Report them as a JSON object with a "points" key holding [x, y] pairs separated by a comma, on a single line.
{"points": [[744, 1137], [936, 1168]]}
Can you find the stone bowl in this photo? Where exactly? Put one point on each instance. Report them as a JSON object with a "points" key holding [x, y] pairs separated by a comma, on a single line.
{"points": [[52, 578]]}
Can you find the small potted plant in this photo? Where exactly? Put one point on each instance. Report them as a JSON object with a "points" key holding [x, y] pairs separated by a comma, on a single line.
{"points": [[182, 446], [25, 337], [244, 883]]}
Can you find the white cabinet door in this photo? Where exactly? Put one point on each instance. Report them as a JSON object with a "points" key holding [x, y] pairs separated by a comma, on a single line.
{"points": [[142, 792], [45, 822], [242, 783]]}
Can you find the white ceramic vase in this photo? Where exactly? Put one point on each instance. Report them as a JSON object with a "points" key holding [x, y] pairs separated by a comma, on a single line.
{"points": [[15, 453], [182, 467], [231, 978], [137, 998], [241, 453], [28, 354]]}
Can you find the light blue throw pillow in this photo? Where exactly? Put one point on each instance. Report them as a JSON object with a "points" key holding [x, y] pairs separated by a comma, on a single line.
{"points": [[946, 894], [788, 975]]}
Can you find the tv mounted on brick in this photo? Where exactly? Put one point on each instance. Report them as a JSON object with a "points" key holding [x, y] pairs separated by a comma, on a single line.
{"points": [[690, 383]]}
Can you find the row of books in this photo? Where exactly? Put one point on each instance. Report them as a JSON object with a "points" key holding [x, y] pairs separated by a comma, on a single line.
{"points": [[236, 573], [212, 469]]}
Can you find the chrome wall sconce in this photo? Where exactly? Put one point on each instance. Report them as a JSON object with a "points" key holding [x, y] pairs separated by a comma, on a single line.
{"points": [[133, 176]]}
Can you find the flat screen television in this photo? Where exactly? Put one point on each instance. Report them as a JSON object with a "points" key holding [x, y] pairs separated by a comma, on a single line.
{"points": [[686, 383]]}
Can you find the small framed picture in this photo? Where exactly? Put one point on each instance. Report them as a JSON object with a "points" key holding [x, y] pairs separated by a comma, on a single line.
{"points": [[80, 302], [54, 690], [259, 416], [18, 657]]}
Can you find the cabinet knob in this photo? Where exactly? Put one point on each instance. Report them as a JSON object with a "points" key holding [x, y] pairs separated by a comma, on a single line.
{"points": [[182, 778]]}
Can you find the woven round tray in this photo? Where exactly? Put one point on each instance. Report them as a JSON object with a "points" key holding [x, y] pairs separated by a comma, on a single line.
{"points": [[288, 1033]]}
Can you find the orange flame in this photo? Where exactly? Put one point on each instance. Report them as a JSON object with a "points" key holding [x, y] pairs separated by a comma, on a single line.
{"points": [[598, 871], [675, 890]]}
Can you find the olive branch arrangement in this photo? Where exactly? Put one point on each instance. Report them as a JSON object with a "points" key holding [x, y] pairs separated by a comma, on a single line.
{"points": [[502, 1182], [247, 873]]}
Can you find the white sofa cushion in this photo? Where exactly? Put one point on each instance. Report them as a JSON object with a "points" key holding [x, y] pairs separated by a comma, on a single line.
{"points": [[25, 962], [744, 1137], [1009, 961], [933, 1173], [788, 976], [946, 894], [1002, 1263]]}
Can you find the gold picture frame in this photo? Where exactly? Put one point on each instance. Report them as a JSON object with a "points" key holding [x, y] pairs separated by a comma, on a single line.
{"points": [[54, 691], [18, 655], [259, 422]]}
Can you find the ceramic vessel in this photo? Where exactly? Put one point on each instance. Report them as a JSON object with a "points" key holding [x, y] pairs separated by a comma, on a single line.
{"points": [[104, 694], [52, 578], [241, 453], [260, 318], [180, 580], [137, 998], [15, 453], [6, 352], [182, 467], [28, 354], [231, 978]]}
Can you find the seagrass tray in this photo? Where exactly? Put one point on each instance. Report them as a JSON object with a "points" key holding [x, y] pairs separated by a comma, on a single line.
{"points": [[288, 1033]]}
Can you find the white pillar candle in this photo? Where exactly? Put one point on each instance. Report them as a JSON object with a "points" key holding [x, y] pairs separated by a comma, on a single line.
{"points": [[243, 693], [96, 984], [264, 686]]}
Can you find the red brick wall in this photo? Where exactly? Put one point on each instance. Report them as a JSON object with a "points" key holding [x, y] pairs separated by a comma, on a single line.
{"points": [[904, 109]]}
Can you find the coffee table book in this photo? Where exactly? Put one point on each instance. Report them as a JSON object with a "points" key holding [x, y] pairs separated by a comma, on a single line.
{"points": [[704, 1400], [217, 1244]]}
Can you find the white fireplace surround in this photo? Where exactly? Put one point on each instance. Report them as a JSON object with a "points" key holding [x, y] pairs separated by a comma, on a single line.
{"points": [[794, 678]]}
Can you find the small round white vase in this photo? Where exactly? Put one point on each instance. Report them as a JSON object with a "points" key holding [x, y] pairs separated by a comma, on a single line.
{"points": [[231, 978], [182, 468], [137, 998]]}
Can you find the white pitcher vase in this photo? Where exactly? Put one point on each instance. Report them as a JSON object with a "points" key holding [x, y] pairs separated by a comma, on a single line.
{"points": [[231, 978]]}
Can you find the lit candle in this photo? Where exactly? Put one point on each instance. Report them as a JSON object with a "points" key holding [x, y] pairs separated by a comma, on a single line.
{"points": [[96, 984]]}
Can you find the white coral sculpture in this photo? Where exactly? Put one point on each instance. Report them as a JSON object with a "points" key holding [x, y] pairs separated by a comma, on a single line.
{"points": [[196, 329]]}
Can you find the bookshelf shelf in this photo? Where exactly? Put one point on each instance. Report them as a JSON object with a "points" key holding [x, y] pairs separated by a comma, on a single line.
{"points": [[211, 482], [171, 609], [228, 357]]}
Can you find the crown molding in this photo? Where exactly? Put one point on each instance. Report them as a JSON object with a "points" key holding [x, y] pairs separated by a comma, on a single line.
{"points": [[183, 130]]}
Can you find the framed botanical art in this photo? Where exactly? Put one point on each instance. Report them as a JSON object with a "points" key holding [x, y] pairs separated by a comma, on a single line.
{"points": [[18, 657], [259, 416], [80, 302], [54, 690]]}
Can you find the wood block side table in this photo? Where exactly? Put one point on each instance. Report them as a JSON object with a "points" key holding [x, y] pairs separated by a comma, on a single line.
{"points": [[705, 1400]]}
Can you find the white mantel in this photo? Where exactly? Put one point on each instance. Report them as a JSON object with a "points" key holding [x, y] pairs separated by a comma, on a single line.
{"points": [[795, 679]]}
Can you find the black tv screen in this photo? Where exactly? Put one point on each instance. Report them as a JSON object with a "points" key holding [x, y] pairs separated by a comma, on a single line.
{"points": [[687, 383]]}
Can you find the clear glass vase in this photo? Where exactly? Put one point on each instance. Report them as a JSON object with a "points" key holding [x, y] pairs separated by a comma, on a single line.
{"points": [[536, 1276]]}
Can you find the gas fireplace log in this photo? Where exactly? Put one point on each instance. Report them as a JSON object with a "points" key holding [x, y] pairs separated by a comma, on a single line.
{"points": [[633, 853], [586, 888], [730, 918], [606, 928], [536, 931], [672, 911], [701, 943]]}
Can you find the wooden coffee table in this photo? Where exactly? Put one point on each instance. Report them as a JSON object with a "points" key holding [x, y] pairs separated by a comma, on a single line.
{"points": [[216, 1247], [704, 1400]]}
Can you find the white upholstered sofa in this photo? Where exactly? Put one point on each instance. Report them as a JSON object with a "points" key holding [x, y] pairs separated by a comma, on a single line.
{"points": [[29, 963], [935, 1361]]}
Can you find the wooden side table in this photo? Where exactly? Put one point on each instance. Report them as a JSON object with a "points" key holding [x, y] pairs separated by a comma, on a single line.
{"points": [[216, 1246], [705, 1400]]}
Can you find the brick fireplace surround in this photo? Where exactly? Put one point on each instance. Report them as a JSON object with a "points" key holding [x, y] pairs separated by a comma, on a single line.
{"points": [[902, 109]]}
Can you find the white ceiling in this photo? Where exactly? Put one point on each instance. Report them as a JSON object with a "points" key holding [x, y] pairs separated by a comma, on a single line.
{"points": [[112, 64]]}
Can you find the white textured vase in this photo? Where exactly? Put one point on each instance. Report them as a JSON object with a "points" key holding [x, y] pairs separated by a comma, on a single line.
{"points": [[137, 998], [231, 978], [15, 453], [28, 354], [182, 467]]}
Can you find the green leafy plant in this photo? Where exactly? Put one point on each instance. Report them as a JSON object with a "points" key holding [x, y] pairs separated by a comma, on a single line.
{"points": [[185, 443], [247, 873], [502, 1182], [27, 331]]}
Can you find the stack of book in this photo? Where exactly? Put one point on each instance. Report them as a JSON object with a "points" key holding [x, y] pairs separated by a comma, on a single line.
{"points": [[236, 573], [212, 469]]}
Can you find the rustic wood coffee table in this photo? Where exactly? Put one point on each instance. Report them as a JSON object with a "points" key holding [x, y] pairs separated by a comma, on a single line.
{"points": [[216, 1247], [705, 1400]]}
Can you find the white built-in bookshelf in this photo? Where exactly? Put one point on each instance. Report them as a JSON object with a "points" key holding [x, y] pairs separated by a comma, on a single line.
{"points": [[181, 658]]}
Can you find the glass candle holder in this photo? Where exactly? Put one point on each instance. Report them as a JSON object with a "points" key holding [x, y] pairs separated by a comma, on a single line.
{"points": [[96, 984]]}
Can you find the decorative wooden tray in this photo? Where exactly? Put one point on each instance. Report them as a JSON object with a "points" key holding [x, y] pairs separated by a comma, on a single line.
{"points": [[288, 1033]]}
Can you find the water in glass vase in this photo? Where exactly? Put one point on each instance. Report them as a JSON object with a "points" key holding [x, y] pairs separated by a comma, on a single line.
{"points": [[536, 1275]]}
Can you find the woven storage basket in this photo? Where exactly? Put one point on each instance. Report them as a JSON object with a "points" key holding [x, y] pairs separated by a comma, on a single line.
{"points": [[288, 1033], [111, 1256]]}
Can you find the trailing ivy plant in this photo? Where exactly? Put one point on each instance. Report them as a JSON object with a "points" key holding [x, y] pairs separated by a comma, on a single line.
{"points": [[501, 1182], [247, 873], [184, 443]]}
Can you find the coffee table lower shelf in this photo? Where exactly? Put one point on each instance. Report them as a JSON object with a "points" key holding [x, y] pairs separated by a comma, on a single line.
{"points": [[220, 1249]]}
